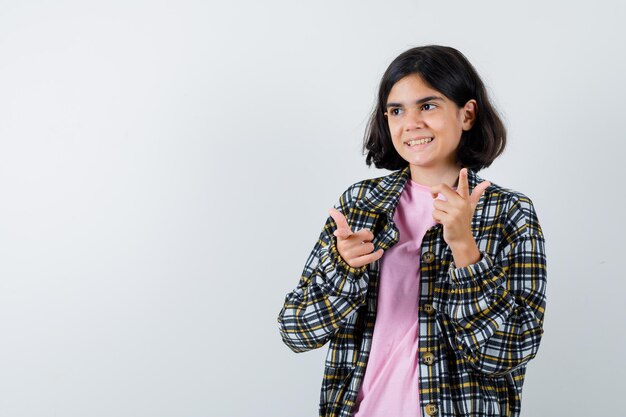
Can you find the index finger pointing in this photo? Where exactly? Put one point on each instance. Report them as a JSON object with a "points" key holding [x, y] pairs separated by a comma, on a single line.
{"points": [[463, 184], [340, 219]]}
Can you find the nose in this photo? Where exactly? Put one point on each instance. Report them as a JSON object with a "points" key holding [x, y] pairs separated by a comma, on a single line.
{"points": [[414, 119]]}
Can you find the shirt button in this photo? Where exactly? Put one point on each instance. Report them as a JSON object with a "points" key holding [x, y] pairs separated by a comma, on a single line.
{"points": [[431, 409], [428, 358], [429, 309], [428, 257]]}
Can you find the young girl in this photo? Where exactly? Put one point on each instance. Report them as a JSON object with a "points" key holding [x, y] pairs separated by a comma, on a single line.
{"points": [[429, 283]]}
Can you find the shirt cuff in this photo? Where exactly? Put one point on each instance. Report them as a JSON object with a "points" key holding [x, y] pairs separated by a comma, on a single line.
{"points": [[472, 272], [340, 264]]}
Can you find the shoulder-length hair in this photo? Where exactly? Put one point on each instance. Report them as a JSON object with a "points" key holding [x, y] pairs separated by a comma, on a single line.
{"points": [[448, 71]]}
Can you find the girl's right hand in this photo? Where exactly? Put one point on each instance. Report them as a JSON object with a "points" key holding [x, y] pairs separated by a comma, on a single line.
{"points": [[354, 247]]}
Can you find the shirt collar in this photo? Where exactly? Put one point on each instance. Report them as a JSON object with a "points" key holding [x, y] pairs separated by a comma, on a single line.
{"points": [[385, 196]]}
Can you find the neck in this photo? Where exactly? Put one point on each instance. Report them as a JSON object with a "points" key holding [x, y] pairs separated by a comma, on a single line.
{"points": [[430, 176]]}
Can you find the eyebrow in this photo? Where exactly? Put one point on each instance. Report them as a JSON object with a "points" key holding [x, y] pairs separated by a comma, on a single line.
{"points": [[420, 101]]}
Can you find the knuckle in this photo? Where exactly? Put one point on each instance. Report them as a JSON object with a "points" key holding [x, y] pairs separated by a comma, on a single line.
{"points": [[354, 264]]}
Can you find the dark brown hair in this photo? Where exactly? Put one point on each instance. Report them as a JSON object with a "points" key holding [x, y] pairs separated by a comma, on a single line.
{"points": [[448, 71]]}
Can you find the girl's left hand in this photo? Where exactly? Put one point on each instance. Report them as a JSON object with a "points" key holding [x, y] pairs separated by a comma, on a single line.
{"points": [[456, 213]]}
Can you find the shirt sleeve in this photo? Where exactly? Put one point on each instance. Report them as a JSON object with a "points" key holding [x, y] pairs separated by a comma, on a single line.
{"points": [[497, 305], [329, 290]]}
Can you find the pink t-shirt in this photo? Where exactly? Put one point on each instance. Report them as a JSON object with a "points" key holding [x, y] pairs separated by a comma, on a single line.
{"points": [[390, 386]]}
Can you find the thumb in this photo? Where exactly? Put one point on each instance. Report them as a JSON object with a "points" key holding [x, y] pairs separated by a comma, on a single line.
{"points": [[342, 233], [479, 191]]}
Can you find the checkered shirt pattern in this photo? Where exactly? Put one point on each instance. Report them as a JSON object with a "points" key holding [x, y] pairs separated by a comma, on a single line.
{"points": [[482, 322]]}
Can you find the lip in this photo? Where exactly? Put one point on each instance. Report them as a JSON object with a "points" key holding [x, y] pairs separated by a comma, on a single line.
{"points": [[418, 138], [418, 147]]}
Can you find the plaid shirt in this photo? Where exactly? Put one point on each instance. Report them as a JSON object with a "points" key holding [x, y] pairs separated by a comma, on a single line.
{"points": [[479, 324]]}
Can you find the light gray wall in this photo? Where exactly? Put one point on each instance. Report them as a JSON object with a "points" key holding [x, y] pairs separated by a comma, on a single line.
{"points": [[166, 167]]}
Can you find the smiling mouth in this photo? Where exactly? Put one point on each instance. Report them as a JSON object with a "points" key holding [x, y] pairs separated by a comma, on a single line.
{"points": [[418, 142]]}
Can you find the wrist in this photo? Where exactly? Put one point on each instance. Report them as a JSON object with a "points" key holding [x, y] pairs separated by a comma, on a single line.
{"points": [[465, 253]]}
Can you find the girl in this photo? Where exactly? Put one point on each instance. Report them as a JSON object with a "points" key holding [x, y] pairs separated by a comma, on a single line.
{"points": [[429, 283]]}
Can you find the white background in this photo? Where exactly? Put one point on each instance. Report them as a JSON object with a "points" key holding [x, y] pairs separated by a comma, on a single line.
{"points": [[166, 168]]}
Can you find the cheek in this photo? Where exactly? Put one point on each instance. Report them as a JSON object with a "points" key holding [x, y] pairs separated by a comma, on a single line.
{"points": [[396, 133], [435, 122], [447, 125]]}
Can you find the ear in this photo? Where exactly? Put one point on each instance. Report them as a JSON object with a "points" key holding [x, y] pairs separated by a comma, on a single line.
{"points": [[468, 114]]}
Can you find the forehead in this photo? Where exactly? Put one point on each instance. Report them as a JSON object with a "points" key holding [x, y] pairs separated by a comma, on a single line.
{"points": [[410, 88]]}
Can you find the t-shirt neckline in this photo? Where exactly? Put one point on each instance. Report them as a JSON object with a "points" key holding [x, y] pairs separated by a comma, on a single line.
{"points": [[418, 186]]}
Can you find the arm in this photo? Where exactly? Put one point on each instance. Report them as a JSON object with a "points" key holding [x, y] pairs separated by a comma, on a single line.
{"points": [[497, 304], [329, 290]]}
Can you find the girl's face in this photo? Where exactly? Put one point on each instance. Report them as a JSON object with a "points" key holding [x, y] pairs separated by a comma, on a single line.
{"points": [[416, 111]]}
